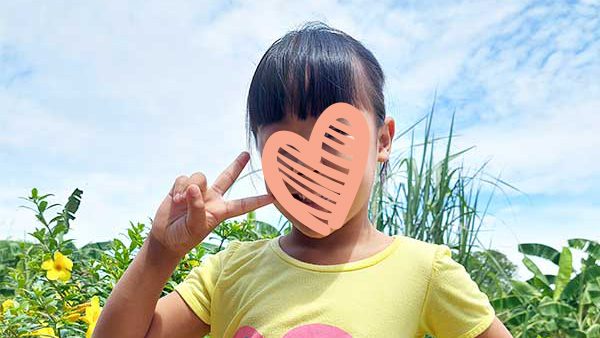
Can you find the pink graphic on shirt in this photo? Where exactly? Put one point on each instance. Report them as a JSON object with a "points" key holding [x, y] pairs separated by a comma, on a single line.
{"points": [[247, 332], [304, 331], [317, 331]]}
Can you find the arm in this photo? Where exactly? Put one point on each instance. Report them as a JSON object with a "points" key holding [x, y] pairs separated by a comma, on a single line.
{"points": [[454, 305], [496, 330], [186, 216], [173, 318], [132, 309]]}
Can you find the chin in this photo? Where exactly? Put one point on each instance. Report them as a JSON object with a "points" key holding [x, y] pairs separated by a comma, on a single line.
{"points": [[307, 231], [312, 234]]}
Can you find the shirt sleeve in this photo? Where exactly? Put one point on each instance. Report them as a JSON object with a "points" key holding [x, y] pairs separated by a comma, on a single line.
{"points": [[454, 305], [198, 286]]}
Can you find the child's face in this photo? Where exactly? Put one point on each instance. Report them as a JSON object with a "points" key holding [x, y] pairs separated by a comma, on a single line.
{"points": [[378, 152]]}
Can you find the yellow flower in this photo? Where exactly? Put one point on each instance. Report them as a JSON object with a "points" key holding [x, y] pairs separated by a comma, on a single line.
{"points": [[74, 313], [58, 268], [72, 317], [8, 304], [45, 332], [92, 313]]}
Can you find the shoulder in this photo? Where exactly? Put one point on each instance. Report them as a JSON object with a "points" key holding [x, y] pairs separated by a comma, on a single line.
{"points": [[247, 247], [240, 259], [237, 252], [421, 256], [235, 247], [418, 245]]}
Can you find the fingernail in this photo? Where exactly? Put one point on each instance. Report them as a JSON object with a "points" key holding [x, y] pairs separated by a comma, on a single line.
{"points": [[194, 189]]}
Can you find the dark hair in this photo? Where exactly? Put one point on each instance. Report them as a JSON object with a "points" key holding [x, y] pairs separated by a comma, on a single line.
{"points": [[307, 70]]}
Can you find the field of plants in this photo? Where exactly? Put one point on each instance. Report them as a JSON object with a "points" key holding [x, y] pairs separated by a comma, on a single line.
{"points": [[51, 288]]}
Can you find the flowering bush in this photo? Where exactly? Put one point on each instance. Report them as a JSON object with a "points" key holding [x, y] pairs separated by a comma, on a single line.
{"points": [[51, 288]]}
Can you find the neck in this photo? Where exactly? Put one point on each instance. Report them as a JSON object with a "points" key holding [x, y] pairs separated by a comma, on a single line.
{"points": [[355, 230]]}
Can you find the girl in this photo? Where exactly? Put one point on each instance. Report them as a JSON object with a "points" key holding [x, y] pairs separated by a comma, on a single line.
{"points": [[354, 282]]}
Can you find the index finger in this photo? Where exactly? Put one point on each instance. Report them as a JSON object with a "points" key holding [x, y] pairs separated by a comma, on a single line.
{"points": [[244, 205], [229, 175]]}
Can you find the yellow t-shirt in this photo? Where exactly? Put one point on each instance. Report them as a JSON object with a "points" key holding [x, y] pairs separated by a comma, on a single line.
{"points": [[255, 289]]}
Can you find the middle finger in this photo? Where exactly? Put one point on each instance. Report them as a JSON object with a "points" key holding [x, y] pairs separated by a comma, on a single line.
{"points": [[179, 186], [229, 175]]}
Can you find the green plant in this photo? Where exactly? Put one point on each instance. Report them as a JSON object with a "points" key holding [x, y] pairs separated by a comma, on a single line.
{"points": [[437, 202], [50, 287], [565, 304], [493, 284]]}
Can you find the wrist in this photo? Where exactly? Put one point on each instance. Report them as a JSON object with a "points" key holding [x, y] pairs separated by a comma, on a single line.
{"points": [[159, 254]]}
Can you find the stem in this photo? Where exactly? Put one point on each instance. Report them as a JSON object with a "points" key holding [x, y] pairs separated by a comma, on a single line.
{"points": [[221, 244], [62, 296]]}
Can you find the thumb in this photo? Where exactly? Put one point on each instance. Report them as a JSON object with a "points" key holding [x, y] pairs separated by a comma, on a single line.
{"points": [[196, 215]]}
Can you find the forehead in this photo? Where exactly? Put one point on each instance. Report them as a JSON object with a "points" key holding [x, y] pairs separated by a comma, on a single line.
{"points": [[289, 122], [299, 126]]}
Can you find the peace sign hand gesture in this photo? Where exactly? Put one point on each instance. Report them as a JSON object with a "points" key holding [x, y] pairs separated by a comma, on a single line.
{"points": [[190, 211]]}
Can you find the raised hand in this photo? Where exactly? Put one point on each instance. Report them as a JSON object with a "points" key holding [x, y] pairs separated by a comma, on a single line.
{"points": [[190, 211]]}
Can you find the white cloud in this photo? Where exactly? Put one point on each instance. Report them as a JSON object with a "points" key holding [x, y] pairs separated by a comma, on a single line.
{"points": [[549, 156], [27, 125], [125, 97]]}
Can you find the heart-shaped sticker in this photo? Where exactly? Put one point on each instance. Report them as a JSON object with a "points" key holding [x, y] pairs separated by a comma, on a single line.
{"points": [[316, 180]]}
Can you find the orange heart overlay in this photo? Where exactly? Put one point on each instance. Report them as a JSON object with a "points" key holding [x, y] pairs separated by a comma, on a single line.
{"points": [[327, 169]]}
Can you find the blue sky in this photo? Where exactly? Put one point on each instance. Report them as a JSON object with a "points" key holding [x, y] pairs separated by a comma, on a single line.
{"points": [[120, 98]]}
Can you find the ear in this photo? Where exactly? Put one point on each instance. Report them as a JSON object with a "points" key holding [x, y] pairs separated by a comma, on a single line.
{"points": [[385, 138]]}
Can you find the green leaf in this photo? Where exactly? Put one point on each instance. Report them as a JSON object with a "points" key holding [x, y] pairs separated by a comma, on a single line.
{"points": [[576, 334], [531, 266], [60, 228], [506, 303], [209, 246], [576, 284], [593, 292], [72, 206], [589, 246], [572, 288], [565, 269], [556, 309], [265, 229], [251, 216], [516, 319], [540, 250], [540, 285], [593, 331], [592, 273], [524, 289]]}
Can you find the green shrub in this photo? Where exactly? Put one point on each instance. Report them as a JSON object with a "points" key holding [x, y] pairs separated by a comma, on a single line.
{"points": [[52, 288], [565, 304]]}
